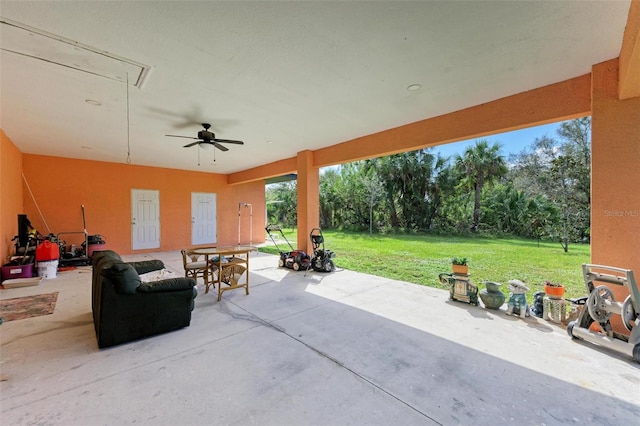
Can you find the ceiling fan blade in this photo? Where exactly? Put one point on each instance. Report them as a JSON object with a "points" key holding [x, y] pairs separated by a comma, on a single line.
{"points": [[220, 147], [189, 145], [176, 136], [229, 141]]}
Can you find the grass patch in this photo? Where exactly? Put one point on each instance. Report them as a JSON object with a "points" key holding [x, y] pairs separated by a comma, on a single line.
{"points": [[420, 258]]}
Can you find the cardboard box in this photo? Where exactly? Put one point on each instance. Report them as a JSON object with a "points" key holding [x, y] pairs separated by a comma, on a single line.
{"points": [[21, 282]]}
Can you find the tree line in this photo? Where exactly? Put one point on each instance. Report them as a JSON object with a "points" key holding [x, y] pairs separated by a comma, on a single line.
{"points": [[543, 192]]}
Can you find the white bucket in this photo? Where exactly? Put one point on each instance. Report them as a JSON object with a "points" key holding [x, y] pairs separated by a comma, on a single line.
{"points": [[48, 270]]}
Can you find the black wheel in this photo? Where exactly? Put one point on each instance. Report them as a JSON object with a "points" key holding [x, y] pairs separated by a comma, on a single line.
{"points": [[570, 329], [636, 352], [329, 266]]}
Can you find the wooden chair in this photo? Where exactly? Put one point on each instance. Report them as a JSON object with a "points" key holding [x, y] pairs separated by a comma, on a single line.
{"points": [[195, 266], [231, 273]]}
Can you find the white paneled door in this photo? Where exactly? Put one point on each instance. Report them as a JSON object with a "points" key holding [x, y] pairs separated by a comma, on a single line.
{"points": [[145, 219], [203, 218]]}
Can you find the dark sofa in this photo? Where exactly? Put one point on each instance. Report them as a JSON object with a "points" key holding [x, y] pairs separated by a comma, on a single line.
{"points": [[125, 309]]}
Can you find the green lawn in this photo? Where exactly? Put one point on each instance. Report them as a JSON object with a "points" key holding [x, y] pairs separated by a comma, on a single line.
{"points": [[420, 258]]}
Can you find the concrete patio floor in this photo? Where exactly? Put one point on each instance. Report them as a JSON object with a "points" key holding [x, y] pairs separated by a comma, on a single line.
{"points": [[327, 349]]}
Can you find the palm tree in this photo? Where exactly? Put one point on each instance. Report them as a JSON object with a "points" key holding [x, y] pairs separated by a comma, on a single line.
{"points": [[387, 170], [480, 164]]}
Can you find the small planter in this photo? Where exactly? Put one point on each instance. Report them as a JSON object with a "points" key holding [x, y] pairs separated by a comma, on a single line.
{"points": [[554, 291], [459, 266], [460, 269]]}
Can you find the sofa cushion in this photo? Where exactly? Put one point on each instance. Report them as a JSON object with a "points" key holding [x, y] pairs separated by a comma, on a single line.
{"points": [[145, 266], [104, 256], [124, 277], [170, 284]]}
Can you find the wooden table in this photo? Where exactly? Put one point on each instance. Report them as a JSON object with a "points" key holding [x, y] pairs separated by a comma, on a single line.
{"points": [[227, 264]]}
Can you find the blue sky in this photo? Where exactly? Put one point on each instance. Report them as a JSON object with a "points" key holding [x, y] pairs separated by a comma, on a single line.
{"points": [[511, 142]]}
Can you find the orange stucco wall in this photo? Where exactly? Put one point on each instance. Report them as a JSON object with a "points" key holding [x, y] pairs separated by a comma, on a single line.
{"points": [[61, 186], [629, 66], [615, 173], [11, 199], [308, 199], [277, 168]]}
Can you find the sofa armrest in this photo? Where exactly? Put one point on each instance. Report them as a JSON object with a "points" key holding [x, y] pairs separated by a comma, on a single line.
{"points": [[144, 266], [170, 284]]}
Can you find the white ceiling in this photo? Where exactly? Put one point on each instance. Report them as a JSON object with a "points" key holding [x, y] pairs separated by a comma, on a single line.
{"points": [[281, 76]]}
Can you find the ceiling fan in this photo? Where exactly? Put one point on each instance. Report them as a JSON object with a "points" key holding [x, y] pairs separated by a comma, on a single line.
{"points": [[207, 137]]}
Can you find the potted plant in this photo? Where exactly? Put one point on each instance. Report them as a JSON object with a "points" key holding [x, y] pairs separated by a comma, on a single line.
{"points": [[459, 265], [553, 290]]}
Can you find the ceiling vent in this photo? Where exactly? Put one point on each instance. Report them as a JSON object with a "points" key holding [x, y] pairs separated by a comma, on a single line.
{"points": [[23, 40]]}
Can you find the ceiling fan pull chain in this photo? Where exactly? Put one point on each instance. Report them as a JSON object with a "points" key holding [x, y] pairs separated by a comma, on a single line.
{"points": [[128, 125]]}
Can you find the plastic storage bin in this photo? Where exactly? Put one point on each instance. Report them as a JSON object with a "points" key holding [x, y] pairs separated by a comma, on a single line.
{"points": [[10, 271]]}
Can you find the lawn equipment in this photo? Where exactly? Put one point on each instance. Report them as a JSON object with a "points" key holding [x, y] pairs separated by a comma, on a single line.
{"points": [[75, 256], [294, 259], [600, 306], [321, 261]]}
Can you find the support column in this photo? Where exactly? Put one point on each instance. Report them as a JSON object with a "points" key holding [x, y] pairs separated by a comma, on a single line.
{"points": [[308, 198], [615, 172]]}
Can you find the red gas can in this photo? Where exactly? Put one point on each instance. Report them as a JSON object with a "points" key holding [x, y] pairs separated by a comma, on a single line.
{"points": [[47, 251]]}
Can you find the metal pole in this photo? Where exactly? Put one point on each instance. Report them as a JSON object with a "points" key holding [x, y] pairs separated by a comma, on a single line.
{"points": [[36, 203], [240, 205], [250, 223]]}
